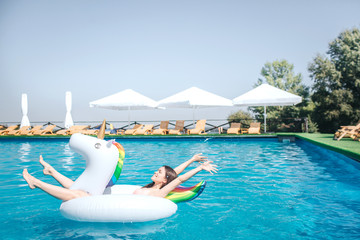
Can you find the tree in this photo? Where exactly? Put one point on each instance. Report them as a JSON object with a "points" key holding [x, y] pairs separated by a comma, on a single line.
{"points": [[281, 74], [336, 87], [240, 116]]}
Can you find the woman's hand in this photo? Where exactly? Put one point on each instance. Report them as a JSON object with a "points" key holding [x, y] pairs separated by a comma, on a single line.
{"points": [[207, 166], [198, 158]]}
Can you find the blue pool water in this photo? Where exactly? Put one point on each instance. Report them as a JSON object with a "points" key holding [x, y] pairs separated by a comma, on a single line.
{"points": [[264, 190]]}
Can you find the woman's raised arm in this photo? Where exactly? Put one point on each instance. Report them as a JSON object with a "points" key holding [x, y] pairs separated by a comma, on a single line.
{"points": [[196, 158], [207, 166]]}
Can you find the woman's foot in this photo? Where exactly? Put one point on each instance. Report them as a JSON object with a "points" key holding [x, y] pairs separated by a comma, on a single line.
{"points": [[48, 169], [29, 179]]}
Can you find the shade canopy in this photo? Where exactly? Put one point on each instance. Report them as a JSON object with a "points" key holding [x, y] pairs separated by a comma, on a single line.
{"points": [[266, 95], [194, 97], [24, 109], [125, 100], [68, 103]]}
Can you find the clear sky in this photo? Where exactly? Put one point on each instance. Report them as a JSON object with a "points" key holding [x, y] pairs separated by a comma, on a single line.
{"points": [[155, 47]]}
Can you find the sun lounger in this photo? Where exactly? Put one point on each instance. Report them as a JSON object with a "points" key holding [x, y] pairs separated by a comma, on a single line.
{"points": [[147, 129], [23, 131], [117, 131], [37, 130], [341, 131], [6, 131], [93, 131], [48, 130], [30, 131], [253, 129], [134, 129], [90, 131], [65, 131], [235, 128], [346, 130], [73, 129], [77, 129], [179, 127], [351, 131], [114, 131], [356, 136], [199, 128], [14, 132], [163, 129]]}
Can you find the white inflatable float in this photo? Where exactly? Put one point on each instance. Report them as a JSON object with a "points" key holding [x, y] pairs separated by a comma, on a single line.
{"points": [[118, 208], [115, 203]]}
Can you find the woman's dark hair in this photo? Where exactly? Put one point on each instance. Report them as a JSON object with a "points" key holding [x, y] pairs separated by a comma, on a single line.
{"points": [[170, 175]]}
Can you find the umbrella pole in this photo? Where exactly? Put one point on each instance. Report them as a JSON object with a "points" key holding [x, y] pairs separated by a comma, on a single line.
{"points": [[265, 119]]}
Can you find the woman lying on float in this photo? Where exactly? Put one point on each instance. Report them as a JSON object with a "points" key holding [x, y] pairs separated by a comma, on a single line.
{"points": [[94, 197], [164, 180]]}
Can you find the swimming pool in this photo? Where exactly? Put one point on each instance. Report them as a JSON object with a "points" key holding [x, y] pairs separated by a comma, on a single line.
{"points": [[264, 190]]}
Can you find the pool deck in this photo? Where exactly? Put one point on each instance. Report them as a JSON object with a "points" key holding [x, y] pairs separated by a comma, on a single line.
{"points": [[345, 146]]}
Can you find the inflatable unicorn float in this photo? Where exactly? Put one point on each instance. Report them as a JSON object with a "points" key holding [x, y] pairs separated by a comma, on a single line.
{"points": [[115, 203]]}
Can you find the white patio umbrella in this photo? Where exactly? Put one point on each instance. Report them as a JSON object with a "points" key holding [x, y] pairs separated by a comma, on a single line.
{"points": [[24, 109], [194, 98], [125, 100], [266, 95], [68, 103]]}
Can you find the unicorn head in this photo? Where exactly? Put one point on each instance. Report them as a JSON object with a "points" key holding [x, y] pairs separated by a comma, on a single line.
{"points": [[101, 159]]}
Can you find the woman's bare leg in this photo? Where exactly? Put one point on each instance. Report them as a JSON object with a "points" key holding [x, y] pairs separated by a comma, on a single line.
{"points": [[55, 191], [49, 170]]}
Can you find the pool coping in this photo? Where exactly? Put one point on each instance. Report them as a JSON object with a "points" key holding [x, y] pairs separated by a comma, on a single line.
{"points": [[185, 136]]}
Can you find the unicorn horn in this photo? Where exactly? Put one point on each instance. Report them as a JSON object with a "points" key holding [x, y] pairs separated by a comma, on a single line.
{"points": [[101, 133]]}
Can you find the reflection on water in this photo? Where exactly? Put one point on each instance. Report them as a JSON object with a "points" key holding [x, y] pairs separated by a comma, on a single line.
{"points": [[24, 152], [68, 159], [113, 230]]}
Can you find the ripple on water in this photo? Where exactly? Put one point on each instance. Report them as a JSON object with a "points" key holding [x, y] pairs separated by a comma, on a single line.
{"points": [[264, 190]]}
